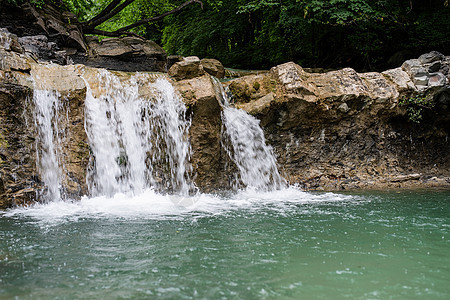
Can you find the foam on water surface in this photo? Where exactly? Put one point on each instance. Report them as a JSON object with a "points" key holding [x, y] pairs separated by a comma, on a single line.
{"points": [[153, 205]]}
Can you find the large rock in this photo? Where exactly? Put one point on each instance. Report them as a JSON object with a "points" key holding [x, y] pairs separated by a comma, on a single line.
{"points": [[61, 28], [190, 67], [39, 48], [429, 70], [124, 54], [208, 158], [213, 67], [9, 41]]}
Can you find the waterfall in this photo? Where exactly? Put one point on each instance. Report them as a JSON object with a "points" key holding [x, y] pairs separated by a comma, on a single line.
{"points": [[137, 142], [244, 141], [137, 133], [46, 107]]}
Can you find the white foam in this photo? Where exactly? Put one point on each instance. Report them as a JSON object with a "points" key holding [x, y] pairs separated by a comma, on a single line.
{"points": [[151, 205]]}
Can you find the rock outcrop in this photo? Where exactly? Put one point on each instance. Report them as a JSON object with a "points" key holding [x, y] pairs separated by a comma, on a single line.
{"points": [[345, 130], [330, 131], [124, 54], [213, 67], [188, 68], [191, 67], [48, 34], [429, 70]]}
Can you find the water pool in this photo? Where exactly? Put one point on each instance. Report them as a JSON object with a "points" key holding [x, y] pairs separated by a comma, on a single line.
{"points": [[277, 245]]}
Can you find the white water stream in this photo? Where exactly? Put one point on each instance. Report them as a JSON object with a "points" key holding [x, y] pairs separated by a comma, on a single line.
{"points": [[245, 143], [135, 139], [138, 136], [46, 113]]}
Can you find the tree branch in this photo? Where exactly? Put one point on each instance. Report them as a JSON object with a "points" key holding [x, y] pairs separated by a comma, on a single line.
{"points": [[157, 18], [111, 14], [106, 10], [90, 27]]}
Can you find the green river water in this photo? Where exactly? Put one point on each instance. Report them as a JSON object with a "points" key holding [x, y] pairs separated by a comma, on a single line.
{"points": [[280, 245]]}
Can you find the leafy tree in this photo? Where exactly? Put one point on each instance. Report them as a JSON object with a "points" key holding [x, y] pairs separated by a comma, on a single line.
{"points": [[362, 34]]}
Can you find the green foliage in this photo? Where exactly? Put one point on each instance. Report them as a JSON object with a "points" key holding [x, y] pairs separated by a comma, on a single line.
{"points": [[37, 3], [415, 105], [257, 34]]}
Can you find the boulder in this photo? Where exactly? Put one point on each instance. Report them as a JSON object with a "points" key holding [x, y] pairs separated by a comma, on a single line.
{"points": [[213, 67], [171, 59], [124, 54], [429, 70], [430, 57], [190, 67]]}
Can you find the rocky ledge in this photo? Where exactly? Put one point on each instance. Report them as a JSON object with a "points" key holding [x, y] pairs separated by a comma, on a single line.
{"points": [[346, 130], [329, 131]]}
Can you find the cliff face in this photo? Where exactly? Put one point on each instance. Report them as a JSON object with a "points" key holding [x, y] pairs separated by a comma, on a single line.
{"points": [[330, 131], [344, 130]]}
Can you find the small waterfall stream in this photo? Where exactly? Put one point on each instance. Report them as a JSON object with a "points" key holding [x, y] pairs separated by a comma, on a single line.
{"points": [[45, 115], [134, 140], [245, 143]]}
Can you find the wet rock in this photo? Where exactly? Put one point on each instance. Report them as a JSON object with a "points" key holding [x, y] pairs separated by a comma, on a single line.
{"points": [[213, 67], [17, 148], [208, 157], [14, 61], [190, 67]]}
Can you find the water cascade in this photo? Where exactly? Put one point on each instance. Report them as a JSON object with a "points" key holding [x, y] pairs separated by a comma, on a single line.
{"points": [[137, 142], [245, 143], [46, 107], [137, 133]]}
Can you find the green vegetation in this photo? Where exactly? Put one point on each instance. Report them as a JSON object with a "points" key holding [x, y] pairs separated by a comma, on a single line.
{"points": [[415, 105], [256, 34]]}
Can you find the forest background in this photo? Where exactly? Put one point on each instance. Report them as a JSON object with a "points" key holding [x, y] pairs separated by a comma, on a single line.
{"points": [[258, 34]]}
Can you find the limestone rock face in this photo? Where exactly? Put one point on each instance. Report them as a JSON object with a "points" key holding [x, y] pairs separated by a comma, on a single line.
{"points": [[12, 61], [39, 48], [124, 54], [333, 130], [190, 67], [19, 179], [207, 157], [213, 67], [346, 130]]}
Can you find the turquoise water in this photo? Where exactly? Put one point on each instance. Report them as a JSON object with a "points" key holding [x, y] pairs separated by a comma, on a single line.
{"points": [[280, 245]]}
